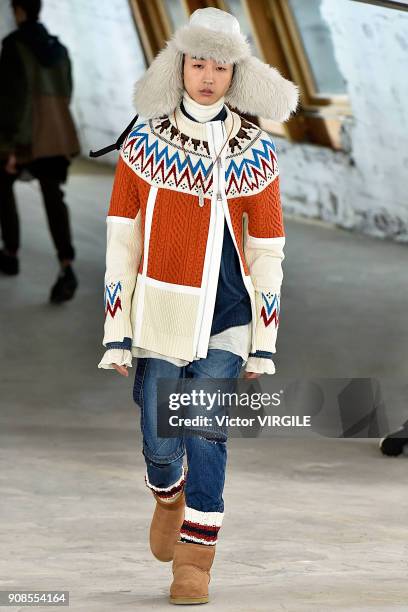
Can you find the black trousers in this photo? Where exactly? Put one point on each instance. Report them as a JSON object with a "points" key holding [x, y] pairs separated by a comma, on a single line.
{"points": [[51, 172]]}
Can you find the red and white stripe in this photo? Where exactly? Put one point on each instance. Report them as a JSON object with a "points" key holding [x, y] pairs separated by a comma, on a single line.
{"points": [[201, 527], [167, 493]]}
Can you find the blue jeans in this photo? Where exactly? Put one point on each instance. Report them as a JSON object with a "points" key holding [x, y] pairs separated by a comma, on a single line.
{"points": [[206, 456]]}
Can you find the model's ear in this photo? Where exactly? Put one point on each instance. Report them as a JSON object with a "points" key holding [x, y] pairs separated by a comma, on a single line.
{"points": [[260, 89], [160, 89]]}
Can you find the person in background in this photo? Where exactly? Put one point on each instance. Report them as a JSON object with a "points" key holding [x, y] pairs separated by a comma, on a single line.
{"points": [[38, 138]]}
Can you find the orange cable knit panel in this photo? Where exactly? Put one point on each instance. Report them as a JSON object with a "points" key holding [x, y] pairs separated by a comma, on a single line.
{"points": [[178, 238], [124, 199], [144, 189], [265, 213]]}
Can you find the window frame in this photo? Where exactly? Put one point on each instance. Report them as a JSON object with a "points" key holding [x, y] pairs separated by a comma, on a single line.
{"points": [[300, 65], [319, 118], [153, 22], [167, 17], [391, 4]]}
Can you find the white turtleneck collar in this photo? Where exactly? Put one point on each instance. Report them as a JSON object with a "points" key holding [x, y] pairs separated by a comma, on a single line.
{"points": [[202, 112]]}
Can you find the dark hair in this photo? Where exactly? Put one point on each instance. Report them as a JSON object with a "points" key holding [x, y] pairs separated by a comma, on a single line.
{"points": [[32, 8], [233, 67]]}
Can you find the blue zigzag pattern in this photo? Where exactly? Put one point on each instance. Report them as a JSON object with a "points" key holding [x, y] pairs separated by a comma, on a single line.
{"points": [[258, 154], [271, 308], [111, 295], [143, 141], [271, 305], [140, 139]]}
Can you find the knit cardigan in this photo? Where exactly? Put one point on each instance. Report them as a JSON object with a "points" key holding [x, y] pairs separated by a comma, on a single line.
{"points": [[164, 239], [232, 303]]}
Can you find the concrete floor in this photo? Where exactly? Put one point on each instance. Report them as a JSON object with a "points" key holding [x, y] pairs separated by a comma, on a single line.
{"points": [[311, 524]]}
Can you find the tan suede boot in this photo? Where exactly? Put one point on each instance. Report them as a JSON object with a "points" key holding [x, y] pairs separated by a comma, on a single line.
{"points": [[191, 571], [165, 527]]}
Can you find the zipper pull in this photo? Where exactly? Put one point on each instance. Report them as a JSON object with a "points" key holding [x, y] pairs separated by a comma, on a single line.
{"points": [[219, 164]]}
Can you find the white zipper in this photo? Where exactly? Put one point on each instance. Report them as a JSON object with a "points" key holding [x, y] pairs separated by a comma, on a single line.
{"points": [[219, 194], [246, 280], [199, 347]]}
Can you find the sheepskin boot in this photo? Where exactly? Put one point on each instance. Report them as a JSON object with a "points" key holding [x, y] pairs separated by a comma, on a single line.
{"points": [[165, 527], [168, 517], [191, 572]]}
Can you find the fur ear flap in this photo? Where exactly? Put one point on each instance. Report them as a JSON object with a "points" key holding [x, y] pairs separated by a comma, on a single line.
{"points": [[260, 89], [160, 89], [257, 88]]}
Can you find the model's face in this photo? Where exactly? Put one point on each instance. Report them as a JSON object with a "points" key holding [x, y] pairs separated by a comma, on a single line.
{"points": [[205, 80]]}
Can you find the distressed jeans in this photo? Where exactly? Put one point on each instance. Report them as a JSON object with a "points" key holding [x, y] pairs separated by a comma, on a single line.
{"points": [[206, 456]]}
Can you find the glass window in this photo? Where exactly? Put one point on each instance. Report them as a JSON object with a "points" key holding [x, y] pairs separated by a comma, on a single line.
{"points": [[177, 12], [318, 46], [237, 8]]}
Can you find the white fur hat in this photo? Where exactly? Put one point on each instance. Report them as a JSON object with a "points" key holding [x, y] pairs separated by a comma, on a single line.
{"points": [[256, 89]]}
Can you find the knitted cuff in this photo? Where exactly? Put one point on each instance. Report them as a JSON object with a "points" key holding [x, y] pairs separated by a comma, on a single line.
{"points": [[201, 527], [117, 357], [167, 493], [260, 365]]}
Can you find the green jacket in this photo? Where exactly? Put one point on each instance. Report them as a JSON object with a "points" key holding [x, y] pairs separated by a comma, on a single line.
{"points": [[35, 93]]}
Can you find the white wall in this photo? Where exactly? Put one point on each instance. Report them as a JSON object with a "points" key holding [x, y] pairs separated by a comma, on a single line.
{"points": [[6, 18], [365, 187]]}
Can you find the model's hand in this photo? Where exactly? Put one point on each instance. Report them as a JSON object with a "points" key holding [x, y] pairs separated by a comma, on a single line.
{"points": [[121, 369], [11, 166], [252, 375]]}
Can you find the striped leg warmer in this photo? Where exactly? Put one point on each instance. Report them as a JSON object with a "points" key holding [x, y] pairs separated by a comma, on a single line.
{"points": [[168, 494], [201, 527]]}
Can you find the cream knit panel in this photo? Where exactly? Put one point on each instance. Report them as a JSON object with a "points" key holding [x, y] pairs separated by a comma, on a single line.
{"points": [[123, 255], [264, 257]]}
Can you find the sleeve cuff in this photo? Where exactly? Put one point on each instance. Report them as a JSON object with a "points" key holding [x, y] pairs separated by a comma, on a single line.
{"points": [[266, 354], [260, 365], [117, 357]]}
